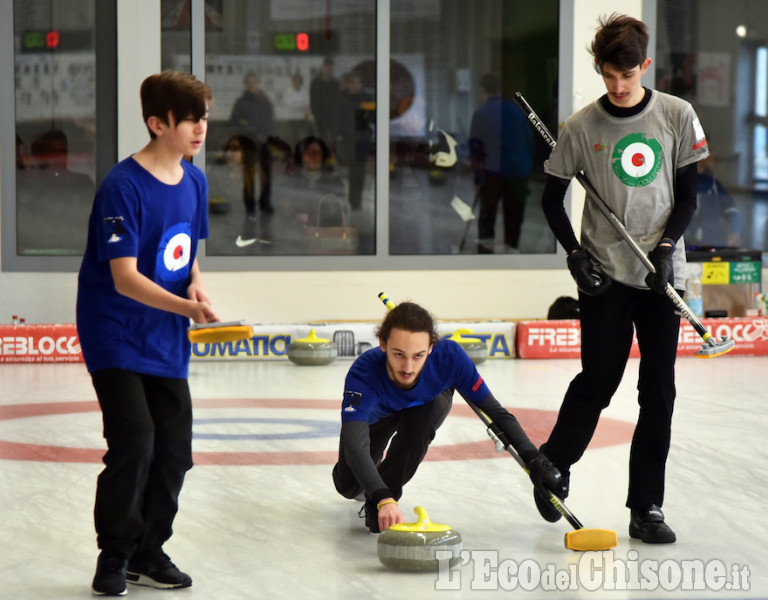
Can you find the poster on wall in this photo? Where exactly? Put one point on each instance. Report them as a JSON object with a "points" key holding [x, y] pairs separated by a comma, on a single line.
{"points": [[713, 78]]}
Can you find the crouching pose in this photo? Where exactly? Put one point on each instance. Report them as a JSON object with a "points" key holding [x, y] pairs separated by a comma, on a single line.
{"points": [[398, 395]]}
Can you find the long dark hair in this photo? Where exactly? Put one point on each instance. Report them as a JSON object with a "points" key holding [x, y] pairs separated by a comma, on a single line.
{"points": [[249, 160], [408, 316]]}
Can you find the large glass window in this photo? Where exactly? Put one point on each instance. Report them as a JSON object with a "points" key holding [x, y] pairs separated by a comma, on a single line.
{"points": [[290, 149], [55, 101], [713, 54], [465, 165]]}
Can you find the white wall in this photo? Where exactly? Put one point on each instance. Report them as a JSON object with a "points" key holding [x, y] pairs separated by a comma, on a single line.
{"points": [[280, 297]]}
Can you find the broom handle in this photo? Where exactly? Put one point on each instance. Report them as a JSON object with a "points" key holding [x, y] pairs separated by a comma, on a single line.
{"points": [[499, 435], [614, 220]]}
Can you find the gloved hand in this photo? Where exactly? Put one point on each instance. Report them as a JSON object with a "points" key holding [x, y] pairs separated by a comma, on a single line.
{"points": [[589, 277], [661, 259], [545, 476]]}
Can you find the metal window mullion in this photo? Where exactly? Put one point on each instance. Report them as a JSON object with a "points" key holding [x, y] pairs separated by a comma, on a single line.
{"points": [[382, 126]]}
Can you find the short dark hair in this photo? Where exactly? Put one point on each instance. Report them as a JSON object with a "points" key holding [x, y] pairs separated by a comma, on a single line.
{"points": [[621, 41], [491, 83], [172, 92], [408, 316]]}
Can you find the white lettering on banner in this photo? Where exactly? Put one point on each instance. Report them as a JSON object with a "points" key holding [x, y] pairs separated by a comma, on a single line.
{"points": [[749, 331], [46, 346], [594, 571], [554, 336]]}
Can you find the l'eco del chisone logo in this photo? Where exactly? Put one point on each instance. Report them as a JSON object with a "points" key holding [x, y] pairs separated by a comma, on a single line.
{"points": [[637, 160]]}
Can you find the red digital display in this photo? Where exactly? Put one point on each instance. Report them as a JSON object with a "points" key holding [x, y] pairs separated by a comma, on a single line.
{"points": [[302, 42], [52, 39]]}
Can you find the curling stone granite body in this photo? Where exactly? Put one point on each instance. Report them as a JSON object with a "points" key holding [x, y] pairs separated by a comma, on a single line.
{"points": [[415, 546], [476, 348], [312, 350]]}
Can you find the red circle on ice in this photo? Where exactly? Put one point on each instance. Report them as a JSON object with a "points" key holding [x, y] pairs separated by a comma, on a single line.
{"points": [[537, 424]]}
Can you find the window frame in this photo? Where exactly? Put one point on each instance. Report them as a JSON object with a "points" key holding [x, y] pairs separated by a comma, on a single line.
{"points": [[380, 261], [105, 52]]}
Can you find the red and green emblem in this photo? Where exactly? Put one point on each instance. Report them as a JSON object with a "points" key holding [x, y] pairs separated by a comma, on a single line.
{"points": [[637, 160]]}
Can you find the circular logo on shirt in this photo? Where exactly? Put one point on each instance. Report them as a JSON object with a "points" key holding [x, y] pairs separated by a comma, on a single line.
{"points": [[637, 160], [174, 253]]}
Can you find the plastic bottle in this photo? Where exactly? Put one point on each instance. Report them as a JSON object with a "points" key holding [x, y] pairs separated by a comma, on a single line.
{"points": [[693, 295]]}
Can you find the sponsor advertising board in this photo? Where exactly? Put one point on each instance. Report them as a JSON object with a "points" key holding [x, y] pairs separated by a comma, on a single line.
{"points": [[39, 344], [561, 339]]}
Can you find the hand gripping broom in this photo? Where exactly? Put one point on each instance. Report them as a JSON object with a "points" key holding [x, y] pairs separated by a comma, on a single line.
{"points": [[581, 539]]}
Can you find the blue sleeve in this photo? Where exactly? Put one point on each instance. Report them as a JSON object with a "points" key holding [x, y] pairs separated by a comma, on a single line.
{"points": [[468, 380], [359, 396], [117, 219]]}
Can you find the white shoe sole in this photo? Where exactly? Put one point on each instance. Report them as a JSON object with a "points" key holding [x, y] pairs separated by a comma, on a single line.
{"points": [[146, 580]]}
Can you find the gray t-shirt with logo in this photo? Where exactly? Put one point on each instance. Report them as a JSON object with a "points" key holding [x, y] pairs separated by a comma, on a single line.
{"points": [[631, 162]]}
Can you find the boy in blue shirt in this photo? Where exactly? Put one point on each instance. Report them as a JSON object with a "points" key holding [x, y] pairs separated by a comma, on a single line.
{"points": [[138, 287], [399, 394]]}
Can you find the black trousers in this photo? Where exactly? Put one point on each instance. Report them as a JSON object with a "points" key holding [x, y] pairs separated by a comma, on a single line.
{"points": [[512, 191], [411, 431], [607, 325], [148, 429]]}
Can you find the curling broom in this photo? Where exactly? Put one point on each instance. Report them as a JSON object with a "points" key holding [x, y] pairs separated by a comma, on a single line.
{"points": [[219, 332], [711, 347], [581, 539]]}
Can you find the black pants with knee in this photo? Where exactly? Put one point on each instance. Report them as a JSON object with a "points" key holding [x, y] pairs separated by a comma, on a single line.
{"points": [[411, 431], [148, 429], [607, 326]]}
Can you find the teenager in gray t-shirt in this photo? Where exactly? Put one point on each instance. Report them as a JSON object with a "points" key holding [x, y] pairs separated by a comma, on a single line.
{"points": [[639, 148]]}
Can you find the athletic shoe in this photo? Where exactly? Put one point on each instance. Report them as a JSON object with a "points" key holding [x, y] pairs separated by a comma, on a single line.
{"points": [[110, 575], [648, 525], [370, 513], [155, 569], [546, 509]]}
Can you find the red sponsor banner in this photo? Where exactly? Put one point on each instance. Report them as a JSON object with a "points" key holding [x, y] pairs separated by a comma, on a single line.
{"points": [[39, 344], [562, 339]]}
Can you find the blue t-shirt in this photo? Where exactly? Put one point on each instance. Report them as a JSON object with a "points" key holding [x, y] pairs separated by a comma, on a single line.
{"points": [[136, 215], [370, 395], [501, 137]]}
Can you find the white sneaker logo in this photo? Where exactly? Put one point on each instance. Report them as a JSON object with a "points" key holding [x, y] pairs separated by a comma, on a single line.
{"points": [[241, 243]]}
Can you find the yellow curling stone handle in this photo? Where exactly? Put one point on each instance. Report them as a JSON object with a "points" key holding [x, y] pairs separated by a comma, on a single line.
{"points": [[423, 524], [312, 338], [458, 336]]}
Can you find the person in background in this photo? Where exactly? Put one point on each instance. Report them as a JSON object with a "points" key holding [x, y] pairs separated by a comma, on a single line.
{"points": [[324, 90], [502, 150], [717, 222]]}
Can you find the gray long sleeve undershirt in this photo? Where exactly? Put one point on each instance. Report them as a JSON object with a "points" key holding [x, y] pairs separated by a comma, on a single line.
{"points": [[355, 439]]}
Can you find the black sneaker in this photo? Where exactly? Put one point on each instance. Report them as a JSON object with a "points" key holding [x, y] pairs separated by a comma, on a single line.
{"points": [[648, 525], [110, 575], [546, 509], [156, 569], [370, 513]]}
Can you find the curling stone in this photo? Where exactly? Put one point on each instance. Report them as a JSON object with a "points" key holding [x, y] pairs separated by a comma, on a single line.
{"points": [[414, 546], [476, 348], [312, 350]]}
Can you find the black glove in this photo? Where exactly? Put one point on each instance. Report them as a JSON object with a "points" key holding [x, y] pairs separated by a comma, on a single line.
{"points": [[545, 476], [588, 275], [661, 259]]}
